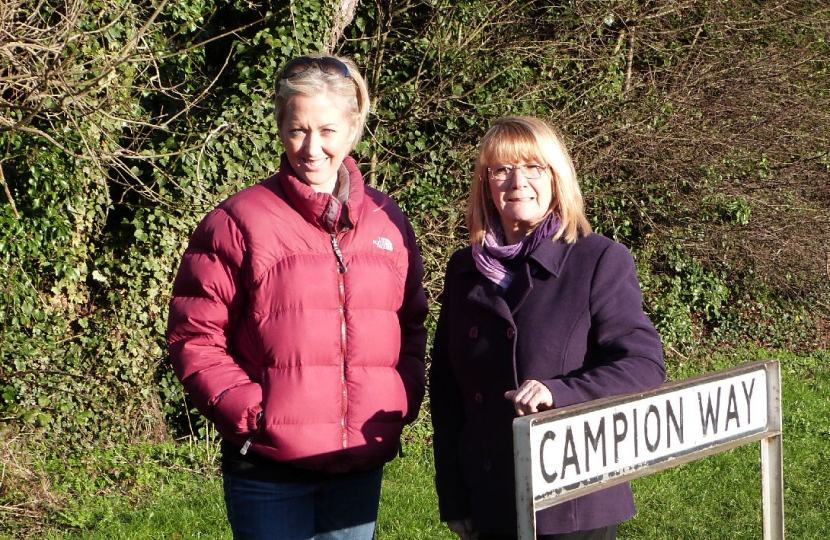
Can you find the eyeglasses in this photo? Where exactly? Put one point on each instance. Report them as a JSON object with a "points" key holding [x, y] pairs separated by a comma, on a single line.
{"points": [[326, 64], [531, 171]]}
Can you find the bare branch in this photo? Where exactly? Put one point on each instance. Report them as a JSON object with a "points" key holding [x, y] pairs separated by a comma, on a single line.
{"points": [[8, 193]]}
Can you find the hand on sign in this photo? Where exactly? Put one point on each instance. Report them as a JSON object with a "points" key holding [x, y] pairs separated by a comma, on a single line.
{"points": [[463, 528], [531, 397]]}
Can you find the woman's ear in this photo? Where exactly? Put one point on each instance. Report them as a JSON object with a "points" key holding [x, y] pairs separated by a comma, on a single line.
{"points": [[353, 130]]}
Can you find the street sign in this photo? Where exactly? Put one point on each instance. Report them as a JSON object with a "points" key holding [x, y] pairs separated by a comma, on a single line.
{"points": [[566, 453]]}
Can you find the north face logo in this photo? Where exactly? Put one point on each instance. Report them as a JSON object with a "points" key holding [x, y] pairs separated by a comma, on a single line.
{"points": [[383, 243]]}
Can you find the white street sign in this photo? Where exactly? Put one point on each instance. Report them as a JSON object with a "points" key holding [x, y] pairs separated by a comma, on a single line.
{"points": [[565, 453]]}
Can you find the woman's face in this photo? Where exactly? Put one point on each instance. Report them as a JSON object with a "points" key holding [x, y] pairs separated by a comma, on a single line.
{"points": [[522, 203], [317, 135]]}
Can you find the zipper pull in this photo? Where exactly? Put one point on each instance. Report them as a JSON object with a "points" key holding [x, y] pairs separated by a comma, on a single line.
{"points": [[246, 446], [250, 441], [338, 253]]}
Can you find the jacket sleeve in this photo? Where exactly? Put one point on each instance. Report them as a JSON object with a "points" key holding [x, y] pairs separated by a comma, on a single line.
{"points": [[625, 351], [448, 420], [205, 307], [411, 315]]}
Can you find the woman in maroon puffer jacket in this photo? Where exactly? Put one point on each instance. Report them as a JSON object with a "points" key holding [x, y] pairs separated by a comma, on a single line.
{"points": [[296, 322]]}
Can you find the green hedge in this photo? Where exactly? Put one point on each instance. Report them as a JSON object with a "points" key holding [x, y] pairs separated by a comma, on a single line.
{"points": [[698, 129]]}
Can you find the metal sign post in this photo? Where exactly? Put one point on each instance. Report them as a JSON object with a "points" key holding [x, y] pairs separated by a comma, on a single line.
{"points": [[565, 453]]}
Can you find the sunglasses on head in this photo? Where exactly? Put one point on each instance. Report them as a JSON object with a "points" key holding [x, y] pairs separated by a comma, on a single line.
{"points": [[326, 64]]}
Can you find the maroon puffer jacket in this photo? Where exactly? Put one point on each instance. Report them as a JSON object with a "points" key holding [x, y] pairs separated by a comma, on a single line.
{"points": [[322, 332]]}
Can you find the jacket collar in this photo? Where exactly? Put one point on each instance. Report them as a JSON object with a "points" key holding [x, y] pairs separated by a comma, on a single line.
{"points": [[551, 256], [323, 209]]}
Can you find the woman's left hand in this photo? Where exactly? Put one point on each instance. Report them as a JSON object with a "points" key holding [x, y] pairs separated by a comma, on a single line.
{"points": [[531, 397]]}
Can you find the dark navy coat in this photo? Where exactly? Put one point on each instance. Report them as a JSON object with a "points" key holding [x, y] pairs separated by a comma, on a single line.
{"points": [[573, 319]]}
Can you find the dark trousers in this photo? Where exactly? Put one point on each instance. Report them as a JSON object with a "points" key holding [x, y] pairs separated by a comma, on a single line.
{"points": [[606, 533]]}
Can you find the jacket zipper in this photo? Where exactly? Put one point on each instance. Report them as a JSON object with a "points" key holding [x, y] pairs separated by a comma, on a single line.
{"points": [[342, 307], [337, 253]]}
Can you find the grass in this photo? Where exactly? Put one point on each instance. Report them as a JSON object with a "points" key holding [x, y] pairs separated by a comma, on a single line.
{"points": [[718, 497], [191, 510]]}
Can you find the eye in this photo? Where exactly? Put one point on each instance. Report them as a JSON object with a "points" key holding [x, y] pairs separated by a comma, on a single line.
{"points": [[502, 171]]}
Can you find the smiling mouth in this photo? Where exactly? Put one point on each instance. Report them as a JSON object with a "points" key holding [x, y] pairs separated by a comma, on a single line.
{"points": [[522, 199], [314, 162]]}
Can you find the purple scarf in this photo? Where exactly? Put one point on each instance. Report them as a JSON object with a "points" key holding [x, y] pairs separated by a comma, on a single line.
{"points": [[490, 257]]}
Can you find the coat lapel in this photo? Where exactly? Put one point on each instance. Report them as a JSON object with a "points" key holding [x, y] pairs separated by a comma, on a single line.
{"points": [[520, 288], [550, 257], [484, 292]]}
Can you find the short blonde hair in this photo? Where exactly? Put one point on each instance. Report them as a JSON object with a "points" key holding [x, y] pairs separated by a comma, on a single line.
{"points": [[352, 91], [514, 139]]}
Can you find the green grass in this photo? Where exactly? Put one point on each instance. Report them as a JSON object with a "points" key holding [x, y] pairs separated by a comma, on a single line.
{"points": [[409, 506], [193, 509], [718, 497]]}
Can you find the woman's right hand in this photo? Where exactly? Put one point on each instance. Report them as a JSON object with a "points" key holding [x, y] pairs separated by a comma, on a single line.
{"points": [[531, 397], [463, 528]]}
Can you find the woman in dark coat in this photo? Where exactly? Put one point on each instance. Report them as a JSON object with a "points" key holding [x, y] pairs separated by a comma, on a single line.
{"points": [[538, 312]]}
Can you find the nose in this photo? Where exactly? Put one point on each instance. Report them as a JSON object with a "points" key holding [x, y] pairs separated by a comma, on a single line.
{"points": [[516, 178], [312, 143]]}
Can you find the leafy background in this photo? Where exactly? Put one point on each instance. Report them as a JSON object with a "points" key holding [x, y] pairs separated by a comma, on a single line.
{"points": [[699, 131]]}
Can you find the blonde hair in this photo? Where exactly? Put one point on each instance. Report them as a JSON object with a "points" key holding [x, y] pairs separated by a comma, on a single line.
{"points": [[514, 139], [352, 91]]}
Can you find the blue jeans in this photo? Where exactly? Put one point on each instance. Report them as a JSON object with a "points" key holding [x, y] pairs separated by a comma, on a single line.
{"points": [[336, 507]]}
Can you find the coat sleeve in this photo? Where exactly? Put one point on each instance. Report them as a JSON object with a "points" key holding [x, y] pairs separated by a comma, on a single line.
{"points": [[411, 315], [624, 350], [448, 420], [205, 307]]}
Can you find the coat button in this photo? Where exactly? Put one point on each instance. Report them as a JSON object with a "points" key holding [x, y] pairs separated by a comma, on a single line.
{"points": [[474, 332], [511, 333], [534, 270], [486, 465], [479, 398]]}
